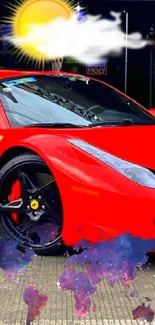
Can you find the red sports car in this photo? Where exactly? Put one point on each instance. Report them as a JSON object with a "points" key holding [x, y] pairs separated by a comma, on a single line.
{"points": [[77, 161]]}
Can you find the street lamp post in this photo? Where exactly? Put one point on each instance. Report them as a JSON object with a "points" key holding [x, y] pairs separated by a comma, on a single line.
{"points": [[126, 51], [151, 74], [151, 37]]}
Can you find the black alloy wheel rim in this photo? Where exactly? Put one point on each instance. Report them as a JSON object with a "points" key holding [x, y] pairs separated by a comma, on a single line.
{"points": [[39, 204]]}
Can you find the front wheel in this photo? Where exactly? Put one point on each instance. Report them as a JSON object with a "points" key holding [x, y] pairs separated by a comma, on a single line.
{"points": [[30, 205]]}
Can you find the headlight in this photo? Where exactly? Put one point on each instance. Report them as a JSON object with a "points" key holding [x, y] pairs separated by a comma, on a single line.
{"points": [[136, 173]]}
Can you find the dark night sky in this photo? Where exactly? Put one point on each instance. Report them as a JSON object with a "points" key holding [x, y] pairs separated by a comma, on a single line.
{"points": [[141, 13]]}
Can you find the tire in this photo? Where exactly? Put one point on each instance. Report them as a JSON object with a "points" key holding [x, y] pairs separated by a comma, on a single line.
{"points": [[7, 226]]}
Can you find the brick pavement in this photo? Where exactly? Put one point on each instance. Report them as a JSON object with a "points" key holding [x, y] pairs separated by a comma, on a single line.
{"points": [[43, 272]]}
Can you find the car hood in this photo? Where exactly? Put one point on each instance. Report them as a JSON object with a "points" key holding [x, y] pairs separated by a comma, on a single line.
{"points": [[134, 143]]}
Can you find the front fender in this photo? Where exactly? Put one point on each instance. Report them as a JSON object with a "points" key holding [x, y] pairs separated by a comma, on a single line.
{"points": [[54, 150], [73, 173]]}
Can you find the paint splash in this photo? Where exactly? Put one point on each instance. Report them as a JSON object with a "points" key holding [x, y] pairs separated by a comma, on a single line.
{"points": [[133, 294], [13, 260], [94, 308], [148, 299], [115, 260], [80, 284], [143, 312], [35, 301], [45, 233]]}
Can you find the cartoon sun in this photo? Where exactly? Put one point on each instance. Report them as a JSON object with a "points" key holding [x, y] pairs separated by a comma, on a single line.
{"points": [[28, 13]]}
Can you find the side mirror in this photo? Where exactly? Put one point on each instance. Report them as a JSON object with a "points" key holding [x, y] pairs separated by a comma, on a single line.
{"points": [[152, 111]]}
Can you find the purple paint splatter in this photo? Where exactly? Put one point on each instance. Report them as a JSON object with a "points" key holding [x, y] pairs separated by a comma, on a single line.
{"points": [[148, 299], [35, 301], [46, 233], [115, 260], [133, 294], [13, 260], [80, 284], [143, 312], [94, 308]]}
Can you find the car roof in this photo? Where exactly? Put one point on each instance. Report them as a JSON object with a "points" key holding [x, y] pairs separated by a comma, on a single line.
{"points": [[16, 73]]}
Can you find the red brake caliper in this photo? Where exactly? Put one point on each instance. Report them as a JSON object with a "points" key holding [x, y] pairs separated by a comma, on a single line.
{"points": [[15, 195]]}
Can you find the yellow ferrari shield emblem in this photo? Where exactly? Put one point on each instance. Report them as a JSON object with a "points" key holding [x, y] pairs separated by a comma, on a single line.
{"points": [[34, 204]]}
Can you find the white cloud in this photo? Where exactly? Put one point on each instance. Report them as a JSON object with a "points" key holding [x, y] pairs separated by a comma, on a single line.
{"points": [[86, 41]]}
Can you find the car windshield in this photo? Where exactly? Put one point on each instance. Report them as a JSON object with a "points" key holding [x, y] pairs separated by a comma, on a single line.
{"points": [[76, 100]]}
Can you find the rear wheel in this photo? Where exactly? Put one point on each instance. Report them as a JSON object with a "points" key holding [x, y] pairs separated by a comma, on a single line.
{"points": [[30, 205]]}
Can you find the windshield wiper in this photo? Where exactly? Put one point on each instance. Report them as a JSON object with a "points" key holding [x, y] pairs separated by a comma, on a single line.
{"points": [[55, 125], [124, 122]]}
